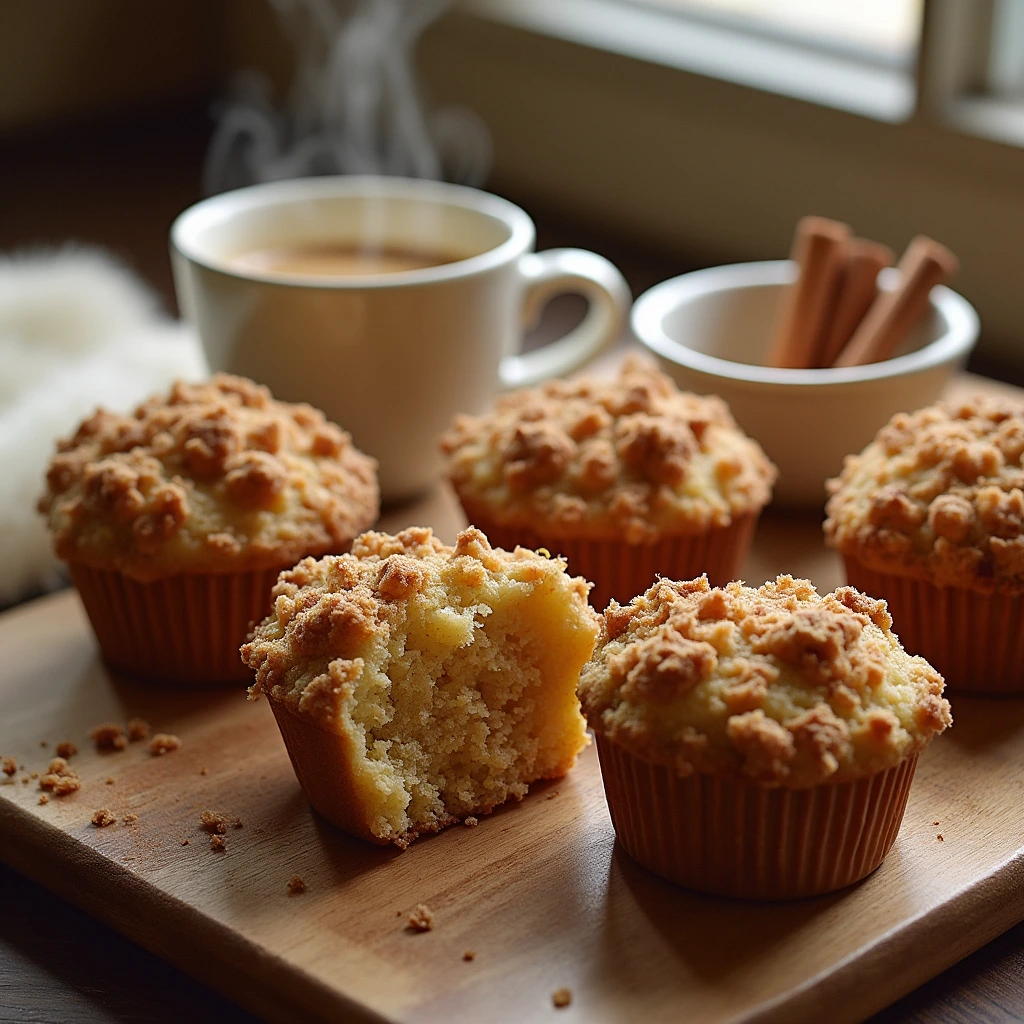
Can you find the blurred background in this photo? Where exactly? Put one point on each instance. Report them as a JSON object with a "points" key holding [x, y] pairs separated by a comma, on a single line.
{"points": [[665, 134], [668, 134]]}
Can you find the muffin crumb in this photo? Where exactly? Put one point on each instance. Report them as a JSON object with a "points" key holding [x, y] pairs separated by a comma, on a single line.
{"points": [[109, 736], [66, 749], [44, 743], [9, 766], [217, 844], [561, 998], [213, 823], [471, 821], [60, 779], [421, 919], [130, 819], [184, 842], [43, 798], [138, 729], [469, 955], [103, 817], [111, 780], [163, 743], [939, 837], [296, 886]]}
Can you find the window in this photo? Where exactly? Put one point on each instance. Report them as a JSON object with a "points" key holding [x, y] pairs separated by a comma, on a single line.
{"points": [[708, 127], [879, 31]]}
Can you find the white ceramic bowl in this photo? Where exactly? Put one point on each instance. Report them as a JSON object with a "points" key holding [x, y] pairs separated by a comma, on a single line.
{"points": [[710, 330]]}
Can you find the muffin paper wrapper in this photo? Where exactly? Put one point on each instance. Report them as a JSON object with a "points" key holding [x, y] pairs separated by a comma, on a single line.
{"points": [[182, 629], [322, 765], [621, 571], [733, 838], [975, 640]]}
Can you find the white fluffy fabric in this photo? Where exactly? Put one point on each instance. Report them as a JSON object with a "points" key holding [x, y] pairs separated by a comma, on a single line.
{"points": [[77, 330]]}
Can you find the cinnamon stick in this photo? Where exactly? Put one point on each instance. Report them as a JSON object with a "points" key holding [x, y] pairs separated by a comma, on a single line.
{"points": [[819, 250], [925, 264], [857, 290]]}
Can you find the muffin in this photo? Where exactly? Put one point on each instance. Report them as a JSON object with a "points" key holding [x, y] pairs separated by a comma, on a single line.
{"points": [[628, 478], [176, 520], [757, 743], [417, 685], [930, 517]]}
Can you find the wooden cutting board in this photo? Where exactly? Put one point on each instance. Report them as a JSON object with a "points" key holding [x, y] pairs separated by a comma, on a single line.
{"points": [[539, 891]]}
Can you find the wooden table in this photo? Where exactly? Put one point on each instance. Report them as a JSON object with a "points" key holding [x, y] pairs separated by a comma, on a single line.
{"points": [[100, 976]]}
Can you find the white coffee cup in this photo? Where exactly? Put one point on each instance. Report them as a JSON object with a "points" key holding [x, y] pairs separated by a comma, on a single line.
{"points": [[390, 357]]}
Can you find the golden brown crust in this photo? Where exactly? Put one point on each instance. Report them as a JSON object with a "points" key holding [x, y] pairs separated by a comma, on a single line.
{"points": [[214, 477], [634, 458], [333, 607], [778, 685], [939, 496]]}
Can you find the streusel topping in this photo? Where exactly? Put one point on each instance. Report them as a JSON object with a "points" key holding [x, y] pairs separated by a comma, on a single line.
{"points": [[778, 685], [630, 457], [938, 495], [214, 477], [329, 613]]}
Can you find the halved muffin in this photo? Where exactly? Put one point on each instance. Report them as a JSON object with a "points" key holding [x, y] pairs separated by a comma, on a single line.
{"points": [[416, 684]]}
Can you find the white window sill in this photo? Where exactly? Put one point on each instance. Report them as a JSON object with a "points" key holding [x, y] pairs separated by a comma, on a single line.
{"points": [[662, 37]]}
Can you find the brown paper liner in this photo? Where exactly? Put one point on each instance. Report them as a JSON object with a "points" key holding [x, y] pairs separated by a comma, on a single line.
{"points": [[182, 629], [621, 571], [733, 838], [322, 761], [976, 640]]}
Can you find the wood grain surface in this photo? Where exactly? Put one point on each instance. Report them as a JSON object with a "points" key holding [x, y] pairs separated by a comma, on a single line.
{"points": [[539, 891]]}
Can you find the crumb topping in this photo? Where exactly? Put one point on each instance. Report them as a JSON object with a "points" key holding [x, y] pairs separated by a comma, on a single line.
{"points": [[325, 610], [211, 477], [631, 457], [778, 685], [938, 495], [421, 919]]}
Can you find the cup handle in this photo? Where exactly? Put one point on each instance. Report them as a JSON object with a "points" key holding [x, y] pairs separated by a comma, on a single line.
{"points": [[553, 272]]}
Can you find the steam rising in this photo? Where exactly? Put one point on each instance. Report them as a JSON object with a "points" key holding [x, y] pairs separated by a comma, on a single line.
{"points": [[353, 106]]}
